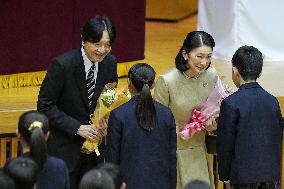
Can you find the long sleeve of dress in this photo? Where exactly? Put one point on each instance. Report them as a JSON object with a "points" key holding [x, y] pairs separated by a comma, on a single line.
{"points": [[161, 93]]}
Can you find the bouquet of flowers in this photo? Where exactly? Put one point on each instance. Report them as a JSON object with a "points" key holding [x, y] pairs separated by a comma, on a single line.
{"points": [[211, 107], [110, 99]]}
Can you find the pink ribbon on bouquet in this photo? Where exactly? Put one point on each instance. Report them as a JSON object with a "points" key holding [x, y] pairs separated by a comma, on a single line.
{"points": [[196, 125]]}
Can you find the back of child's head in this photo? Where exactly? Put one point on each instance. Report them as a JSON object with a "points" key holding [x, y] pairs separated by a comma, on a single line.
{"points": [[96, 179], [114, 171], [197, 184], [23, 171], [142, 76], [33, 126], [6, 182], [248, 60]]}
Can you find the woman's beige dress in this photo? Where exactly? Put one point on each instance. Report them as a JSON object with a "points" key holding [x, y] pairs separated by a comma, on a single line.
{"points": [[182, 94]]}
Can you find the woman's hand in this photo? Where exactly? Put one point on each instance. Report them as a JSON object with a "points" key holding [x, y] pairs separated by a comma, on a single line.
{"points": [[103, 126], [211, 124]]}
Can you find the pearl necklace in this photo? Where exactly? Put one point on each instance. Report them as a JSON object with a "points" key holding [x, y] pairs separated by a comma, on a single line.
{"points": [[188, 77]]}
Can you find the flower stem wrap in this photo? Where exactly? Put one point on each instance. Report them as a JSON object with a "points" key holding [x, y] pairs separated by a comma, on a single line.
{"points": [[196, 125], [211, 107], [108, 100]]}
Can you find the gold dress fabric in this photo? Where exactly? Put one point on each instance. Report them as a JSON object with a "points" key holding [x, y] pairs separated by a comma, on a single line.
{"points": [[182, 94]]}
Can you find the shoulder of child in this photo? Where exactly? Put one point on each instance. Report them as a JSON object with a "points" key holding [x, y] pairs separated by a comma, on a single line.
{"points": [[161, 107]]}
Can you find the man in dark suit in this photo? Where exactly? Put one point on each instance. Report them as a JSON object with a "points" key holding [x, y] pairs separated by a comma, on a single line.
{"points": [[249, 130], [69, 94]]}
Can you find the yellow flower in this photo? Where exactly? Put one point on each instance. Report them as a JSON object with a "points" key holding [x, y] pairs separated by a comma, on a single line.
{"points": [[109, 100]]}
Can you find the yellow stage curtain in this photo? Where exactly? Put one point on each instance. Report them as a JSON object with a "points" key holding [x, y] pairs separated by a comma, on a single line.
{"points": [[22, 79], [36, 78]]}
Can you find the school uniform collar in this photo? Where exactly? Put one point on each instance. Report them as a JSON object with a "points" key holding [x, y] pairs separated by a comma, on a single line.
{"points": [[135, 97], [249, 85]]}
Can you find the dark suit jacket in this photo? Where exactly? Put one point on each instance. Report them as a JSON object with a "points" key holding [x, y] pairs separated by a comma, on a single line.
{"points": [[147, 159], [249, 136], [63, 98]]}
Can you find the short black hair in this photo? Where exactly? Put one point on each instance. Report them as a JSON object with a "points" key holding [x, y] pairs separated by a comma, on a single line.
{"points": [[98, 179], [6, 182], [193, 40], [23, 171], [248, 60], [93, 30], [114, 171]]}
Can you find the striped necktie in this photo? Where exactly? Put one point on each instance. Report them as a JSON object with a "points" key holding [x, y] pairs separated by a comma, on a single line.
{"points": [[91, 84]]}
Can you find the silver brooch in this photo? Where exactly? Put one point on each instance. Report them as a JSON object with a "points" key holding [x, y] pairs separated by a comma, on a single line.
{"points": [[205, 84]]}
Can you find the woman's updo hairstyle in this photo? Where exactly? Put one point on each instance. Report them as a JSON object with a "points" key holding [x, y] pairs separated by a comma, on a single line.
{"points": [[193, 40]]}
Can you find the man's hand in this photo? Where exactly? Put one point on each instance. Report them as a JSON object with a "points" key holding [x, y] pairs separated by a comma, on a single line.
{"points": [[90, 133]]}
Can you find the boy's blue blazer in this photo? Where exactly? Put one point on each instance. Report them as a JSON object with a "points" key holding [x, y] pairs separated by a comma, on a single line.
{"points": [[249, 136]]}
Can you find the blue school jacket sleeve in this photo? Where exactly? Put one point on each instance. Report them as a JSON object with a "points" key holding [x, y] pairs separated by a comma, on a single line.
{"points": [[113, 140], [173, 147], [226, 134]]}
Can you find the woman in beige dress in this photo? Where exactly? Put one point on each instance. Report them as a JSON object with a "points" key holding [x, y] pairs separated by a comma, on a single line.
{"points": [[182, 89]]}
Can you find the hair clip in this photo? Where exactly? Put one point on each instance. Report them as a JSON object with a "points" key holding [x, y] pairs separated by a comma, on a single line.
{"points": [[35, 124]]}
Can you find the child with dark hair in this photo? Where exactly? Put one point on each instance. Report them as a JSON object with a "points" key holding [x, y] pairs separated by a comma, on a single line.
{"points": [[249, 130], [33, 131], [142, 136], [23, 171], [96, 179], [114, 171], [6, 182]]}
